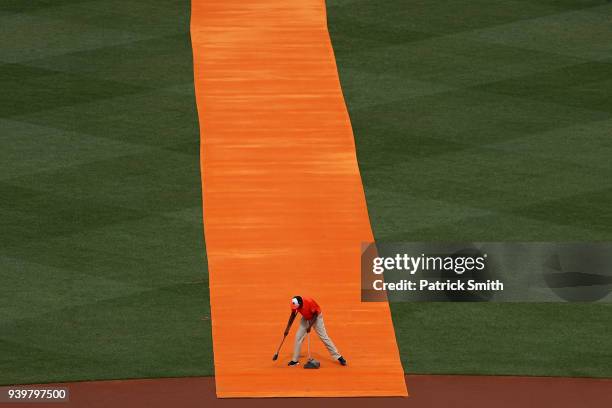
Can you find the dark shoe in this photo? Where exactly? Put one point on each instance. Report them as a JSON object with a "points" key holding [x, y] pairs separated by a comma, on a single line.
{"points": [[341, 360], [296, 363]]}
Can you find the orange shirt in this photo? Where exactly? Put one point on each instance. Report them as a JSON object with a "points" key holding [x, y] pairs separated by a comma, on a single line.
{"points": [[309, 308]]}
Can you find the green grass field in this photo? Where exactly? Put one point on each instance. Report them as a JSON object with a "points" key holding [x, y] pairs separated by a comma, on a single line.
{"points": [[474, 120]]}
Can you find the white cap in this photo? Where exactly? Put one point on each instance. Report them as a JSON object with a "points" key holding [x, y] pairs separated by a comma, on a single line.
{"points": [[295, 304]]}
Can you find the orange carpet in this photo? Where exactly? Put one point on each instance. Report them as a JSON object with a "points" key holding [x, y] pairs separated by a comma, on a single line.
{"points": [[284, 206]]}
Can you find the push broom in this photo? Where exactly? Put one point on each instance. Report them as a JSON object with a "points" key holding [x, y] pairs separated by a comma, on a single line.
{"points": [[311, 363]]}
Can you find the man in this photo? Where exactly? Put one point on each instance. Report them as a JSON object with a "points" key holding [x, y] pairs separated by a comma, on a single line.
{"points": [[311, 317]]}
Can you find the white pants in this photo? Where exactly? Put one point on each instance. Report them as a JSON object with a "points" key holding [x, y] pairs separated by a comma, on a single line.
{"points": [[319, 327]]}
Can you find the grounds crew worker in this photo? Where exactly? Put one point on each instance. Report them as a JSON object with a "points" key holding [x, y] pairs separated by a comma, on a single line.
{"points": [[311, 317]]}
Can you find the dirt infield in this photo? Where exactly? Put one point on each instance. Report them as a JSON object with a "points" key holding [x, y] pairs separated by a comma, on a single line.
{"points": [[425, 391]]}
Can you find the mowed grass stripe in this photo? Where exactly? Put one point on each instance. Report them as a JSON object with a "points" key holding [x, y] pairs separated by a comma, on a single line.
{"points": [[479, 121], [105, 273], [152, 118]]}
